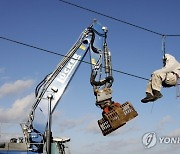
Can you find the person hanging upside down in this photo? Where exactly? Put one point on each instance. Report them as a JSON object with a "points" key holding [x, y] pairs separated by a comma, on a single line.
{"points": [[166, 77]]}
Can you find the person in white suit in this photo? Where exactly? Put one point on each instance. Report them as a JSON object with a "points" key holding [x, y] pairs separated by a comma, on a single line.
{"points": [[166, 77]]}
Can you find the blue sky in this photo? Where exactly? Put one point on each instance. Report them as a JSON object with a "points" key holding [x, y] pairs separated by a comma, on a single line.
{"points": [[56, 26]]}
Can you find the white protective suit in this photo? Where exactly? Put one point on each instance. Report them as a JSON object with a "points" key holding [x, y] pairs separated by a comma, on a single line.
{"points": [[169, 74]]}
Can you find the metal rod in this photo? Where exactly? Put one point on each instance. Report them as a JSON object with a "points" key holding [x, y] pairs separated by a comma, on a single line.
{"points": [[163, 45], [48, 131]]}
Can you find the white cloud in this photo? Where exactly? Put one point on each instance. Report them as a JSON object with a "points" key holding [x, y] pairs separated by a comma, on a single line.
{"points": [[113, 146], [2, 69], [93, 128], [163, 122], [18, 111], [176, 132], [15, 87], [127, 145], [10, 130], [71, 123], [3, 77]]}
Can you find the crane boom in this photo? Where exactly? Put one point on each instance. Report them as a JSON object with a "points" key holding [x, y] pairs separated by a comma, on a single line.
{"points": [[56, 83], [92, 40]]}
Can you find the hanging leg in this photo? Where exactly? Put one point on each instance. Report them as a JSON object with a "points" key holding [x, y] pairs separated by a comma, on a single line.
{"points": [[154, 87], [149, 93]]}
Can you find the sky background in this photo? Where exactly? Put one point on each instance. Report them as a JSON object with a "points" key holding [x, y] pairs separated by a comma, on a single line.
{"points": [[55, 26]]}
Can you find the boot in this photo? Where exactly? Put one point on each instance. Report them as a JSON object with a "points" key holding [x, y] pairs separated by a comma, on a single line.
{"points": [[148, 98], [157, 94]]}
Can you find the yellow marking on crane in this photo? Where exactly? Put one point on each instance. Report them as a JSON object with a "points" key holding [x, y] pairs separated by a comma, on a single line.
{"points": [[82, 47], [93, 61]]}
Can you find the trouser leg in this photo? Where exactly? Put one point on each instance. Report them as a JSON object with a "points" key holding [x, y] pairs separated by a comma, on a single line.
{"points": [[171, 79], [149, 88], [154, 87], [156, 81]]}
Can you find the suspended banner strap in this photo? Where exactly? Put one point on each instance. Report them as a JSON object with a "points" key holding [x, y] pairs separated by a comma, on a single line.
{"points": [[163, 45], [177, 89]]}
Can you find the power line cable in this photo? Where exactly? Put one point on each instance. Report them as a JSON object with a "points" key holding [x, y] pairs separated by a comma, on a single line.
{"points": [[116, 19], [55, 53], [173, 35], [129, 74]]}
